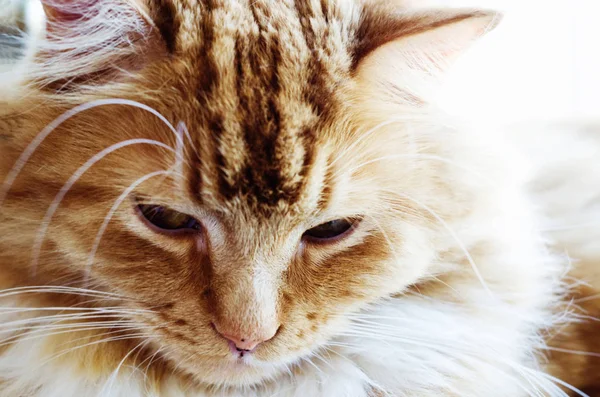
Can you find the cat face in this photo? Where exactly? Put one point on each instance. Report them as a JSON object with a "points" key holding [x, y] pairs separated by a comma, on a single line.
{"points": [[281, 199]]}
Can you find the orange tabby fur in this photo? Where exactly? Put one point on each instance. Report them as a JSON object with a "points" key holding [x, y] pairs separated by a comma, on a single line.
{"points": [[286, 104]]}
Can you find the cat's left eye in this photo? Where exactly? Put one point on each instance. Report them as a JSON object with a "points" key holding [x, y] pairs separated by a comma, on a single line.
{"points": [[331, 231], [167, 220]]}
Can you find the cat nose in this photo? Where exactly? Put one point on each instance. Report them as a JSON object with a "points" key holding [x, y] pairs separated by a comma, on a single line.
{"points": [[247, 342], [243, 343]]}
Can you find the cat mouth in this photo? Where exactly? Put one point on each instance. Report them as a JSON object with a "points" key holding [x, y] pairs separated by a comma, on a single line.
{"points": [[238, 353]]}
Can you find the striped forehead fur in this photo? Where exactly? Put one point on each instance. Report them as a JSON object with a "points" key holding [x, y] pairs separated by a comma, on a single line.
{"points": [[264, 88], [264, 77]]}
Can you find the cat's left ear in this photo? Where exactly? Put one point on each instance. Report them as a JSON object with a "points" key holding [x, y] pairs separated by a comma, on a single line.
{"points": [[393, 42]]}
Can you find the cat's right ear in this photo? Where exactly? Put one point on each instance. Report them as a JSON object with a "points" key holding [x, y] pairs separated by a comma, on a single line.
{"points": [[87, 43]]}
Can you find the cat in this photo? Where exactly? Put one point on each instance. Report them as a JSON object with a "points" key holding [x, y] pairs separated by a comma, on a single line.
{"points": [[259, 198]]}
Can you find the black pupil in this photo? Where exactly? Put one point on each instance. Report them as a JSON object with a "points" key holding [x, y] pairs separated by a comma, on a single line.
{"points": [[330, 229], [167, 219]]}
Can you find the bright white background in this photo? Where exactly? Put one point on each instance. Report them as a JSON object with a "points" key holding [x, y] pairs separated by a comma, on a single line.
{"points": [[542, 62]]}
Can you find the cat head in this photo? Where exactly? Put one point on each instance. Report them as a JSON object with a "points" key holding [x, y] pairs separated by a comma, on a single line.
{"points": [[265, 171]]}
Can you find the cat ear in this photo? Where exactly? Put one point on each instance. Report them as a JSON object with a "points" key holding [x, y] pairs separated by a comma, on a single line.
{"points": [[396, 46], [61, 12], [91, 42]]}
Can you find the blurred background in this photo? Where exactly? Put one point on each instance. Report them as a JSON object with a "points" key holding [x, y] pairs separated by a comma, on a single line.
{"points": [[541, 63]]}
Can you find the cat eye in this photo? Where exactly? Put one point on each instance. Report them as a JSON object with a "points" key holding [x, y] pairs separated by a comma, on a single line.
{"points": [[331, 231], [167, 220]]}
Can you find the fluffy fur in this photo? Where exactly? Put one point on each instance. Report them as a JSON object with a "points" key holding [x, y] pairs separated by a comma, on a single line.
{"points": [[263, 119]]}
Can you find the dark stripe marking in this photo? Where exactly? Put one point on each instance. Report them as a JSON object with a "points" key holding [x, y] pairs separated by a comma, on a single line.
{"points": [[164, 15]]}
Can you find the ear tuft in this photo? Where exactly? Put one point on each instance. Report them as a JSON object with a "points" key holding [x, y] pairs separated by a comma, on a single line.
{"points": [[90, 42], [60, 13]]}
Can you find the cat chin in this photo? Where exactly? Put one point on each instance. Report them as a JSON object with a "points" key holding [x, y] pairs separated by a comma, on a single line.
{"points": [[235, 374], [251, 372]]}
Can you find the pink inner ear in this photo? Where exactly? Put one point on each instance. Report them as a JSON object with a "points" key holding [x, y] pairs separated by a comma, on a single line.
{"points": [[69, 11]]}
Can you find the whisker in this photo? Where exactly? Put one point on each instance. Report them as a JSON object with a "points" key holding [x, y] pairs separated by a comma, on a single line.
{"points": [[182, 130], [115, 309], [73, 179], [39, 335], [56, 318], [317, 355], [308, 360], [458, 241], [364, 136], [587, 298], [558, 381], [420, 156], [46, 333], [114, 208], [150, 360], [58, 290], [394, 338], [387, 239], [112, 332], [37, 141], [115, 373], [569, 351], [107, 340]]}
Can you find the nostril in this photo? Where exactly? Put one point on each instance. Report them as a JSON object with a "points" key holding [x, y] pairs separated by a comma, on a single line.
{"points": [[244, 343]]}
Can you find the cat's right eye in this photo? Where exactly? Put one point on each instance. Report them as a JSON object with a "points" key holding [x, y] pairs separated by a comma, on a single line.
{"points": [[167, 220]]}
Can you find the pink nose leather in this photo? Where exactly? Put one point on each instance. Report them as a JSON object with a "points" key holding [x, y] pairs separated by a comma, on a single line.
{"points": [[243, 343], [246, 343]]}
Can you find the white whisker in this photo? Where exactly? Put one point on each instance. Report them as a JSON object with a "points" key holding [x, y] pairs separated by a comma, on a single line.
{"points": [[456, 239], [114, 208], [39, 335], [55, 318], [102, 341], [58, 290], [363, 137], [37, 141], [73, 179], [117, 310], [109, 383]]}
